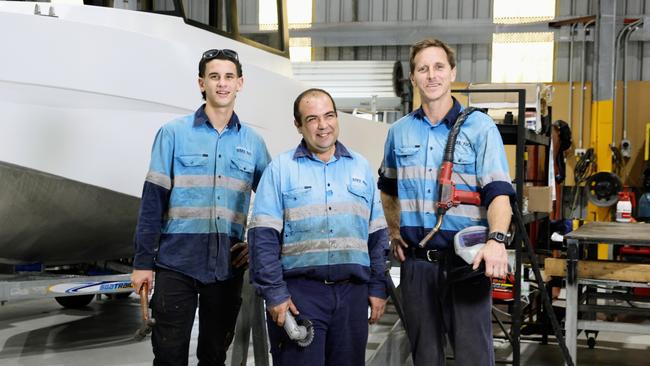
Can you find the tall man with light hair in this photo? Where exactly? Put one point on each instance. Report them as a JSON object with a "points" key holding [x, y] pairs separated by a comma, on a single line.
{"points": [[435, 303]]}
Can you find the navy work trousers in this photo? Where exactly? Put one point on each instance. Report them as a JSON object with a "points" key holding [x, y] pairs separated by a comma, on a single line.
{"points": [[173, 305], [434, 306], [339, 313]]}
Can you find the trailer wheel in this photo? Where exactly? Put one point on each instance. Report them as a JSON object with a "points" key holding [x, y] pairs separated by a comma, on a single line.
{"points": [[74, 302], [121, 295], [591, 342]]}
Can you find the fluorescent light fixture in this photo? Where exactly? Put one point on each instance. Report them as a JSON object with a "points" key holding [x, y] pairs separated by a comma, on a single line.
{"points": [[299, 13], [522, 11]]}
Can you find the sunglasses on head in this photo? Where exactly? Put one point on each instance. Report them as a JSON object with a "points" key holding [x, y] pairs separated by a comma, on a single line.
{"points": [[210, 54]]}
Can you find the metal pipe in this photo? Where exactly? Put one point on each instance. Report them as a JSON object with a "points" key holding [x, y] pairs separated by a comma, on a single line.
{"points": [[431, 233], [595, 63], [571, 31], [614, 79], [615, 52], [582, 79], [634, 27]]}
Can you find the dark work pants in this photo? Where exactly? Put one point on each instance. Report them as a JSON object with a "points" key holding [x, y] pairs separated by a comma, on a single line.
{"points": [[339, 313], [434, 307], [173, 305]]}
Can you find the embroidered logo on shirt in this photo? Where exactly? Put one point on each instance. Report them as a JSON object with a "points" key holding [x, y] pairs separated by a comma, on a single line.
{"points": [[243, 150], [359, 180]]}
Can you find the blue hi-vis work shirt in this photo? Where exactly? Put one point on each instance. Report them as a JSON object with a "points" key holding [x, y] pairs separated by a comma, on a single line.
{"points": [[317, 220], [413, 154], [196, 196]]}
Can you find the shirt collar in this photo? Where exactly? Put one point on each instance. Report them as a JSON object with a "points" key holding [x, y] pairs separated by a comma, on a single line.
{"points": [[200, 118], [449, 118], [302, 151]]}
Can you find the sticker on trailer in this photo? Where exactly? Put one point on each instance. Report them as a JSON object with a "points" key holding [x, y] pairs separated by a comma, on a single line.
{"points": [[90, 287]]}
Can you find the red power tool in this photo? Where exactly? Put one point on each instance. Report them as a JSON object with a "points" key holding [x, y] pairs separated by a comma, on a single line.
{"points": [[448, 195]]}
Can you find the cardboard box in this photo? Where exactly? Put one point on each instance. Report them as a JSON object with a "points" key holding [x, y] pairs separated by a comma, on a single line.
{"points": [[539, 198]]}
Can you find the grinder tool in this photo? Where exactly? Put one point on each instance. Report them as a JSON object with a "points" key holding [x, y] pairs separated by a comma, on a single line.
{"points": [[301, 331]]}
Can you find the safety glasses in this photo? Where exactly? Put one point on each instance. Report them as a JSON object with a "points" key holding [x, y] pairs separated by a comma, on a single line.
{"points": [[214, 53]]}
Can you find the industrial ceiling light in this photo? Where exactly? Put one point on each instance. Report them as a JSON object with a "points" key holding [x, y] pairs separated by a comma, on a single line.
{"points": [[522, 11]]}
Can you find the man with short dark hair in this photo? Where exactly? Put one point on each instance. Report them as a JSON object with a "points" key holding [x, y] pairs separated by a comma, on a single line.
{"points": [[193, 216], [435, 301], [318, 241]]}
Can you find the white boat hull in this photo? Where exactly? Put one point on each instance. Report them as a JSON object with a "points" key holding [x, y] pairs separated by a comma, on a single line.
{"points": [[81, 98]]}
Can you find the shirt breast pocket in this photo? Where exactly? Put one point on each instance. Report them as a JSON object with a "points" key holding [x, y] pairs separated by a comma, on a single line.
{"points": [[407, 166], [297, 212], [242, 169], [193, 164], [362, 198], [464, 160], [360, 192], [407, 155]]}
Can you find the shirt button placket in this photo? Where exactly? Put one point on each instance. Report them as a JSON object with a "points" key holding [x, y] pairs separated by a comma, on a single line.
{"points": [[328, 209]]}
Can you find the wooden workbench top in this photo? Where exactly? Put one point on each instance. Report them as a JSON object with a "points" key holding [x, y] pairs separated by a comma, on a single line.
{"points": [[613, 233]]}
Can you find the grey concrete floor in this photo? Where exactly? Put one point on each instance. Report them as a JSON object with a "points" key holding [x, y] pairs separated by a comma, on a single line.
{"points": [[40, 332]]}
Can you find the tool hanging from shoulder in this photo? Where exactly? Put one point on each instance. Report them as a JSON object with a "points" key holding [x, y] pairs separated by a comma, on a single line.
{"points": [[448, 195]]}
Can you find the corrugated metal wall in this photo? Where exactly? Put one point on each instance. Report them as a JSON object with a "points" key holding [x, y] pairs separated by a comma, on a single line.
{"points": [[472, 59], [638, 65]]}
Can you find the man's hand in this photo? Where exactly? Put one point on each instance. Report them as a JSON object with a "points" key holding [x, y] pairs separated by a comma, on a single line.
{"points": [[398, 246], [242, 257], [377, 307], [141, 276], [278, 311], [496, 259]]}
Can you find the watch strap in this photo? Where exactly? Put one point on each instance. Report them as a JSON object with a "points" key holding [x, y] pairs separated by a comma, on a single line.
{"points": [[498, 236]]}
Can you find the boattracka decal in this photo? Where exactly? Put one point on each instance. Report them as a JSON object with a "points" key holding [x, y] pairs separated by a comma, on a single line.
{"points": [[90, 287]]}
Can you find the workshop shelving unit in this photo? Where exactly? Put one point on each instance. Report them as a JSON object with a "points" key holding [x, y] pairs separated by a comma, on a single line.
{"points": [[517, 134]]}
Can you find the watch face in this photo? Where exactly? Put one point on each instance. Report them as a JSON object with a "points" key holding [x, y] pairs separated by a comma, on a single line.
{"points": [[498, 236]]}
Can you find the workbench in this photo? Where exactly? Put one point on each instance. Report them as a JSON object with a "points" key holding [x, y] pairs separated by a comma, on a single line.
{"points": [[601, 233]]}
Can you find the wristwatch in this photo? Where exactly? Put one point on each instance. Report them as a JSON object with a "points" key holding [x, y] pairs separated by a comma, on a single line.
{"points": [[499, 237]]}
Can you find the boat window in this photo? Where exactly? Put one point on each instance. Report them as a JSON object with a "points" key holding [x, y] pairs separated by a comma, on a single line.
{"points": [[154, 6], [259, 23], [215, 15]]}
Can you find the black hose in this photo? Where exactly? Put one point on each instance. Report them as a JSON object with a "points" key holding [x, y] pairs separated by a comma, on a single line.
{"points": [[581, 173], [451, 140]]}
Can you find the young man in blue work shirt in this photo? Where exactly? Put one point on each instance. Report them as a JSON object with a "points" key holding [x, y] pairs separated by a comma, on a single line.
{"points": [[435, 304], [193, 216], [318, 241]]}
